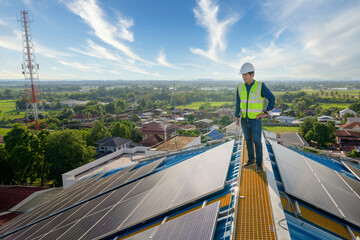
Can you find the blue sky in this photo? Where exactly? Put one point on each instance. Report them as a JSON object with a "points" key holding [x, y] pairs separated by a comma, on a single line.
{"points": [[184, 39]]}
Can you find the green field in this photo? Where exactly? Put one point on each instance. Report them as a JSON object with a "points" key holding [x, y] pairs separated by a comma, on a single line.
{"points": [[339, 105], [8, 109], [198, 104], [279, 129], [4, 131]]}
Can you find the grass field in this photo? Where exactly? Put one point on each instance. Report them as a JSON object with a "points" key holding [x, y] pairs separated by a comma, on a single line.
{"points": [[4, 131], [279, 129], [340, 105], [8, 109], [198, 104]]}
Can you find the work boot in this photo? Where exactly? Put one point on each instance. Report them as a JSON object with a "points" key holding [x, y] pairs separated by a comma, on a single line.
{"points": [[249, 163], [259, 168]]}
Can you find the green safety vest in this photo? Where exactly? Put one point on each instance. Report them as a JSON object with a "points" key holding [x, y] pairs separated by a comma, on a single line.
{"points": [[251, 103]]}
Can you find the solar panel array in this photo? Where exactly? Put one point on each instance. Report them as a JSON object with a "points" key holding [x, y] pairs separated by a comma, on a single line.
{"points": [[215, 134], [353, 169], [76, 194], [199, 225], [318, 185], [137, 201]]}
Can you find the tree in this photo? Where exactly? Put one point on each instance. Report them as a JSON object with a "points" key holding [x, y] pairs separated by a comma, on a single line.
{"points": [[120, 130], [6, 172], [135, 117], [224, 121], [98, 132], [307, 125], [324, 133], [25, 151], [120, 105], [191, 118], [66, 151], [110, 108]]}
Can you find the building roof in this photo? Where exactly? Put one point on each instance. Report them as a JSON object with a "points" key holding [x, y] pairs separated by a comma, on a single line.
{"points": [[347, 133], [113, 141], [347, 110], [351, 125], [207, 121], [214, 135], [353, 119], [155, 127], [293, 138], [151, 141], [175, 143], [1, 139]]}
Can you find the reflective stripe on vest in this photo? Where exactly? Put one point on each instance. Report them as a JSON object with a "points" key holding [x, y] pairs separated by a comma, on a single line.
{"points": [[251, 103]]}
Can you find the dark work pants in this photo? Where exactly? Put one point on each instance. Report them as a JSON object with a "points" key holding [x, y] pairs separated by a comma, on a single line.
{"points": [[252, 133]]}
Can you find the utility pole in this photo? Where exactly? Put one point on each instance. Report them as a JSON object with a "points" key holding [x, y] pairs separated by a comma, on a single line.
{"points": [[34, 107]]}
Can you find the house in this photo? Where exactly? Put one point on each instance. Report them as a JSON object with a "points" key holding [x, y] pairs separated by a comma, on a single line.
{"points": [[354, 126], [203, 124], [112, 144], [1, 140], [274, 113], [285, 119], [151, 141], [325, 119], [311, 113], [233, 129], [73, 103], [347, 140], [155, 128], [83, 117], [186, 127], [201, 114], [353, 119], [347, 110]]}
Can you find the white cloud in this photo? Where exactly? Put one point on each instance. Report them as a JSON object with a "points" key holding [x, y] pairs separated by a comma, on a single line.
{"points": [[321, 41], [2, 23], [162, 60], [75, 65], [97, 51], [110, 34], [15, 43], [206, 14]]}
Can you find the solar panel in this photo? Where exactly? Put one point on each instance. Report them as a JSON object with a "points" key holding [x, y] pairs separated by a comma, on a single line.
{"points": [[354, 184], [318, 185], [353, 169], [143, 235], [67, 198], [141, 200], [199, 225]]}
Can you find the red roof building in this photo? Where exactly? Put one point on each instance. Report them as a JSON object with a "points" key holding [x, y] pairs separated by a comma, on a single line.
{"points": [[347, 140], [158, 129], [355, 126]]}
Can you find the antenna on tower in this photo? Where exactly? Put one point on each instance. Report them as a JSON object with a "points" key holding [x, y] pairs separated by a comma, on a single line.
{"points": [[34, 106]]}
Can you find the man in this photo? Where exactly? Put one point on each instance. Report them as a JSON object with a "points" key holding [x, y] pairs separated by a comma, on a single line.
{"points": [[250, 101]]}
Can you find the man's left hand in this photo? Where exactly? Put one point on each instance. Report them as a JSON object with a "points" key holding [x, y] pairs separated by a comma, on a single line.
{"points": [[261, 115]]}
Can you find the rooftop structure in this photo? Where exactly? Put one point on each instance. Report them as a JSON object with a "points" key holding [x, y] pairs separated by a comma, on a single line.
{"points": [[204, 193]]}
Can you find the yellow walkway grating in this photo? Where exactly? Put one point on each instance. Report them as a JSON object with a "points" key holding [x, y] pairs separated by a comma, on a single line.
{"points": [[254, 219], [320, 220]]}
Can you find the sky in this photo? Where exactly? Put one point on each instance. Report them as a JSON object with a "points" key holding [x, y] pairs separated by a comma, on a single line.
{"points": [[184, 39]]}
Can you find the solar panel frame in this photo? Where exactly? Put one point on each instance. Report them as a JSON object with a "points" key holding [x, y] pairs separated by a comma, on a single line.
{"points": [[352, 169], [349, 202], [318, 186], [354, 184], [199, 225]]}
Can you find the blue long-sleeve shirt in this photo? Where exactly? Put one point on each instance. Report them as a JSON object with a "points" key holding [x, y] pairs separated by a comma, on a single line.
{"points": [[265, 92]]}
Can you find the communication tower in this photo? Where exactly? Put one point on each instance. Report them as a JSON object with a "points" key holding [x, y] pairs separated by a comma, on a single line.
{"points": [[34, 106]]}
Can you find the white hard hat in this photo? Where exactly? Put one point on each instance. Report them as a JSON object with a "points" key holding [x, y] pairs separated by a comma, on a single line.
{"points": [[246, 68]]}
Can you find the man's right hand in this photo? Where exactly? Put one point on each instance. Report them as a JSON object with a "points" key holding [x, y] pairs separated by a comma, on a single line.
{"points": [[237, 121]]}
